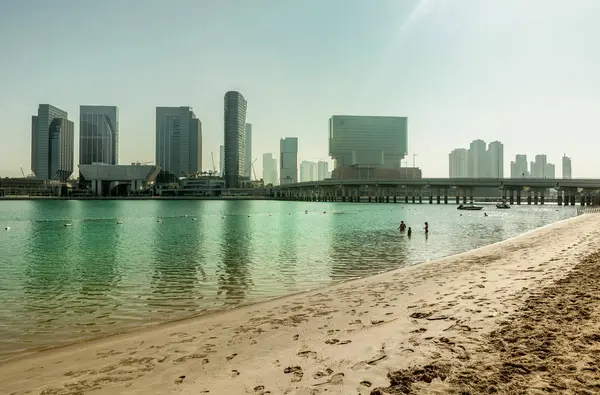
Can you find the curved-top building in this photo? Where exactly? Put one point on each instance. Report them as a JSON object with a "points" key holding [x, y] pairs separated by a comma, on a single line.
{"points": [[234, 137]]}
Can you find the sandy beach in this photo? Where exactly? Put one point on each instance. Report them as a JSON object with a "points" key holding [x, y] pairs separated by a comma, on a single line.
{"points": [[520, 316]]}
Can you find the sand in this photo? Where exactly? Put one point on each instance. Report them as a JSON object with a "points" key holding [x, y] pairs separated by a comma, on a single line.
{"points": [[511, 316]]}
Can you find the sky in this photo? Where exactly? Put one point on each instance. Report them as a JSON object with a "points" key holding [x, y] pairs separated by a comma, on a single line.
{"points": [[525, 72]]}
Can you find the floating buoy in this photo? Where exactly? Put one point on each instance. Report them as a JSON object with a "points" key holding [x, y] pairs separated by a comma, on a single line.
{"points": [[7, 228], [119, 222], [159, 220], [67, 224]]}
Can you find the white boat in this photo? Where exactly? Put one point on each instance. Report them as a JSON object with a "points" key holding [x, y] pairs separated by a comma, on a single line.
{"points": [[502, 205]]}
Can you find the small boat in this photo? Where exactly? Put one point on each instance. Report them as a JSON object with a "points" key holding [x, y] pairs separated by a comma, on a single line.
{"points": [[502, 205], [469, 207]]}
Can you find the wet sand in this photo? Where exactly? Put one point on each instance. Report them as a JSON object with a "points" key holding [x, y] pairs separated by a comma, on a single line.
{"points": [[507, 318]]}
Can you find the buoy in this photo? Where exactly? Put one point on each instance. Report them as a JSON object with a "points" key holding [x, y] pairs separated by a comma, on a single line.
{"points": [[119, 222], [159, 220], [7, 228], [67, 224]]}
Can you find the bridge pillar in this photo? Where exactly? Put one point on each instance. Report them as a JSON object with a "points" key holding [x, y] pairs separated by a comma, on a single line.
{"points": [[465, 197], [559, 197], [421, 196], [438, 198], [528, 197], [572, 198], [535, 197], [519, 196], [387, 198], [405, 197], [511, 199], [472, 192], [542, 197], [431, 199], [445, 196], [457, 198], [394, 198], [589, 199]]}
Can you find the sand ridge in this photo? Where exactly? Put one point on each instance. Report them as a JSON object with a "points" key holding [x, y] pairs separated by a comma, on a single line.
{"points": [[428, 320]]}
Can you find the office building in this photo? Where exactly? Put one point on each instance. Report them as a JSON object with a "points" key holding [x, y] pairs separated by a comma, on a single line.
{"points": [[308, 171], [288, 160], [519, 167], [222, 160], [248, 151], [234, 118], [566, 167], [368, 141], [495, 154], [477, 160], [540, 168], [269, 169], [322, 170], [178, 141], [52, 144], [459, 163], [98, 135]]}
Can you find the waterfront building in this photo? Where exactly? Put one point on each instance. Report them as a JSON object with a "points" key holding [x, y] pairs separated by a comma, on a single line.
{"points": [[368, 140], [222, 160], [519, 167], [119, 180], [308, 171], [235, 106], [288, 160], [459, 163], [98, 135], [322, 170], [248, 151], [52, 144], [178, 141], [495, 154], [269, 169], [566, 167]]}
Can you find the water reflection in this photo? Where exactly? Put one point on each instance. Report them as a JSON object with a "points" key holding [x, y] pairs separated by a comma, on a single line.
{"points": [[288, 247], [176, 263], [233, 273]]}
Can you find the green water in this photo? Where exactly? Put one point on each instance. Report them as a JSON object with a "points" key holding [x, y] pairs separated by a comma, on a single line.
{"points": [[60, 284]]}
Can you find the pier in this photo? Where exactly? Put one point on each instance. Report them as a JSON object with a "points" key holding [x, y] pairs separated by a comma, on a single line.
{"points": [[442, 190]]}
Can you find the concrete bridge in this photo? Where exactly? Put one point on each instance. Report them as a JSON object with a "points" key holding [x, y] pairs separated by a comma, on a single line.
{"points": [[533, 190]]}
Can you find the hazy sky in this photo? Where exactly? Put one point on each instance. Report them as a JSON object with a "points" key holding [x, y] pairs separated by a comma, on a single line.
{"points": [[525, 72]]}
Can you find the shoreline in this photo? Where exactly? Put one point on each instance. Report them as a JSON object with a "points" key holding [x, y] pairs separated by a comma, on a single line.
{"points": [[88, 366], [157, 324]]}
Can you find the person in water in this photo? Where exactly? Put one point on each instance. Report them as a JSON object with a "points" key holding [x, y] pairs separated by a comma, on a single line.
{"points": [[402, 226], [426, 227], [409, 231]]}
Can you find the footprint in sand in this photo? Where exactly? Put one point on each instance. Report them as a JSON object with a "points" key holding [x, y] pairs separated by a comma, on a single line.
{"points": [[229, 358], [307, 354], [296, 372], [260, 390], [235, 373], [179, 380], [332, 341], [365, 383], [320, 375]]}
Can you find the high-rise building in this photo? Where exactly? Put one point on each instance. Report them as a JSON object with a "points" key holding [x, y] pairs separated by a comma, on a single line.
{"points": [[478, 160], [178, 141], [269, 169], [288, 160], [459, 163], [550, 171], [367, 140], [495, 155], [322, 170], [308, 171], [518, 168], [222, 160], [52, 144], [248, 151], [234, 137], [566, 167], [540, 168], [98, 135]]}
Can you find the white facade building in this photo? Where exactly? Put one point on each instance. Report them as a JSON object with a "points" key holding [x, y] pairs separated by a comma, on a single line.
{"points": [[308, 171], [288, 160], [495, 155], [519, 167], [566, 167], [322, 170], [221, 160], [459, 163], [269, 169]]}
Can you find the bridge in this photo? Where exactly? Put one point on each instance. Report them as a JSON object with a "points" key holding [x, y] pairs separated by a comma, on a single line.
{"points": [[513, 189]]}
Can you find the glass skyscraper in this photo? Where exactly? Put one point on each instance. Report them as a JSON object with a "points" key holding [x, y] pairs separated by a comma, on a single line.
{"points": [[234, 120], [178, 141], [98, 135]]}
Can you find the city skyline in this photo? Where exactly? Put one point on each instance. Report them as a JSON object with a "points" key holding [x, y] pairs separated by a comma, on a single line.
{"points": [[480, 83]]}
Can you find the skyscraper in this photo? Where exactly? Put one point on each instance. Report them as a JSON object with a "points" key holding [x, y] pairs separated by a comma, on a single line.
{"points": [[269, 169], [540, 168], [459, 165], [478, 160], [308, 171], [222, 160], [98, 135], [288, 160], [234, 137], [248, 151], [495, 154], [52, 144], [518, 168], [566, 167], [368, 140], [178, 141], [322, 170]]}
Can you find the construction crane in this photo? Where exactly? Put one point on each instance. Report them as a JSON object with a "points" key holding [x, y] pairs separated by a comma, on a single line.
{"points": [[212, 156], [253, 169], [22, 172]]}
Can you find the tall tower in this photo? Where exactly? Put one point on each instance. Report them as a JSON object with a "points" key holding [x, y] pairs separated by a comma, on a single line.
{"points": [[178, 140], [566, 167], [248, 151], [52, 144], [234, 120], [288, 160], [98, 135]]}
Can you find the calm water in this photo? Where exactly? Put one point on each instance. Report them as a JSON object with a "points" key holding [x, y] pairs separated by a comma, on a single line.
{"points": [[59, 284]]}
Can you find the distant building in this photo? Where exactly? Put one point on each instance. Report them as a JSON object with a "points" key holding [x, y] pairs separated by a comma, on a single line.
{"points": [[235, 107], [222, 160], [566, 167], [269, 169], [288, 160], [178, 141], [459, 163], [370, 173], [550, 171], [519, 167], [540, 168], [495, 153], [322, 170], [248, 151], [308, 171], [98, 135], [52, 144], [478, 160], [368, 140]]}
